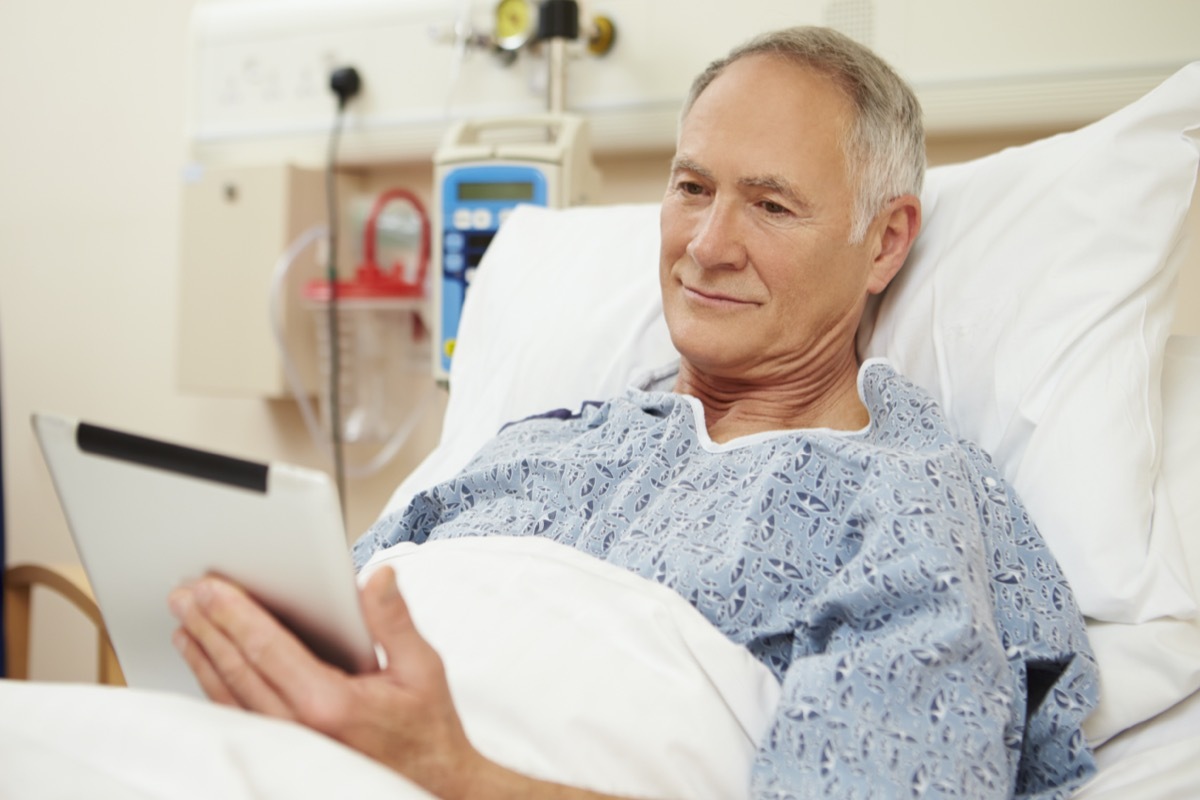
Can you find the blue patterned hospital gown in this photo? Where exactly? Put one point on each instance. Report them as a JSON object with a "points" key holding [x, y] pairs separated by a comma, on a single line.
{"points": [[926, 641]]}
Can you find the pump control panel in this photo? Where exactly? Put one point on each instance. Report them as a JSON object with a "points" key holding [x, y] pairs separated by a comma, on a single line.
{"points": [[483, 170]]}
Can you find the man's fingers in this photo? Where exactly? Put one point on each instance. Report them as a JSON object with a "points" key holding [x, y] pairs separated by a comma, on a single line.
{"points": [[242, 645], [202, 668]]}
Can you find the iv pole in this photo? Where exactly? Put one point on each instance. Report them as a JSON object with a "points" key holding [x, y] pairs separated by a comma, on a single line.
{"points": [[558, 23]]}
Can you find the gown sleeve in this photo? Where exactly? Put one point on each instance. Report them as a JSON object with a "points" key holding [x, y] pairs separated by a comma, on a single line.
{"points": [[901, 682]]}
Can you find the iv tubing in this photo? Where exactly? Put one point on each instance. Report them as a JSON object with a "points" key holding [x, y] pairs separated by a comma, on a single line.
{"points": [[283, 266]]}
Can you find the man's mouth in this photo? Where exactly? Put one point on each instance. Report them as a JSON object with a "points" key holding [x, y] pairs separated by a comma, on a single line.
{"points": [[713, 299]]}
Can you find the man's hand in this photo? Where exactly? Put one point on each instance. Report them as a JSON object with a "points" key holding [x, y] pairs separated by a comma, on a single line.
{"points": [[401, 715]]}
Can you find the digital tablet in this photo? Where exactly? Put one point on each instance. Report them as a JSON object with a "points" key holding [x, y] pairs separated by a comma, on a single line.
{"points": [[148, 515]]}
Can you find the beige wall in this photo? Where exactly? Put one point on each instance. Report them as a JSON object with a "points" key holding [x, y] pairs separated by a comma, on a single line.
{"points": [[90, 156], [91, 151]]}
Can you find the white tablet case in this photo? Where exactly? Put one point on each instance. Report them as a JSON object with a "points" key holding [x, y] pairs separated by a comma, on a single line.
{"points": [[147, 515]]}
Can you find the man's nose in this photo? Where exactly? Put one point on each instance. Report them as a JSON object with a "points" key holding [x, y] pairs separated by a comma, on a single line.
{"points": [[717, 242]]}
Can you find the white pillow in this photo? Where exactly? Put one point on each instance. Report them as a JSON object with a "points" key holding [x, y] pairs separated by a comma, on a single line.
{"points": [[1147, 668], [1035, 307], [570, 669], [565, 307]]}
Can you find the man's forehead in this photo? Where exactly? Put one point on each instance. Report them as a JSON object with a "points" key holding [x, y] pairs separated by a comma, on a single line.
{"points": [[770, 113]]}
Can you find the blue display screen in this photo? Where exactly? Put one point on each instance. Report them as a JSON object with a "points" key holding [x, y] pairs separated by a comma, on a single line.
{"points": [[495, 191]]}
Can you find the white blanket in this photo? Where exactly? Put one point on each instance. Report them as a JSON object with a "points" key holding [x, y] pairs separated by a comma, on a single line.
{"points": [[562, 666], [102, 743]]}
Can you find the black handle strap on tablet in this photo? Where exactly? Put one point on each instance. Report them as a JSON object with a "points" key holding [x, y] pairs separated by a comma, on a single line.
{"points": [[172, 457]]}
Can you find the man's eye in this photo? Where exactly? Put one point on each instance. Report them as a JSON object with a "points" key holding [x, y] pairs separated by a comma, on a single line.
{"points": [[772, 207], [690, 187]]}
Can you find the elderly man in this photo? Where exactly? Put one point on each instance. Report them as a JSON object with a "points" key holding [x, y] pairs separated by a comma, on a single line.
{"points": [[864, 542]]}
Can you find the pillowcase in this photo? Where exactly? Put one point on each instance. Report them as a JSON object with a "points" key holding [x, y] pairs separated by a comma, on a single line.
{"points": [[571, 669], [1035, 307], [1148, 668]]}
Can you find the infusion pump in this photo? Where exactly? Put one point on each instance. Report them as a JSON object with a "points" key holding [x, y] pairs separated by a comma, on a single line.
{"points": [[482, 170]]}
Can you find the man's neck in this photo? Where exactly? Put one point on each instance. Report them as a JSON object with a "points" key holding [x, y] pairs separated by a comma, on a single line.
{"points": [[820, 398]]}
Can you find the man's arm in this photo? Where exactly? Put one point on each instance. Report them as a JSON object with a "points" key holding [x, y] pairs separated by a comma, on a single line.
{"points": [[900, 678], [401, 715]]}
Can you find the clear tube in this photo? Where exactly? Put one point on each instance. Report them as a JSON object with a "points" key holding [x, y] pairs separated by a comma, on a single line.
{"points": [[283, 266], [388, 450]]}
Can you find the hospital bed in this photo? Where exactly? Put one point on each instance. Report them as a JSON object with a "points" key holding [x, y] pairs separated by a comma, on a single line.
{"points": [[1037, 307]]}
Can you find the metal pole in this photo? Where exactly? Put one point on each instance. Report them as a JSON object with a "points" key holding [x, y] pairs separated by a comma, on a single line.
{"points": [[556, 93], [558, 22]]}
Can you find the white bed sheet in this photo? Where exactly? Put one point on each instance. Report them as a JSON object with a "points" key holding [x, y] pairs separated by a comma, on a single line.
{"points": [[1157, 760]]}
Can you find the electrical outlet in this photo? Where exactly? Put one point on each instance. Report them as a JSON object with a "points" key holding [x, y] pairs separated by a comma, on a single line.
{"points": [[268, 87]]}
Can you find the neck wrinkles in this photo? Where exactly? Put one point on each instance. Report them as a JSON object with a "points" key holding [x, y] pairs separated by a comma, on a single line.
{"points": [[810, 395]]}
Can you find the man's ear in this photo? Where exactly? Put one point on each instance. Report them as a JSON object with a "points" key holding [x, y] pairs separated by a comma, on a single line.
{"points": [[893, 234]]}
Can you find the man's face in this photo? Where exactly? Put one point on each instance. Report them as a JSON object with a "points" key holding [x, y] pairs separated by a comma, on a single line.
{"points": [[758, 276]]}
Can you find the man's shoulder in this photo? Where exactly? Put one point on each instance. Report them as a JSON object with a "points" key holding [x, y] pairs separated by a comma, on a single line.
{"points": [[903, 415], [909, 427]]}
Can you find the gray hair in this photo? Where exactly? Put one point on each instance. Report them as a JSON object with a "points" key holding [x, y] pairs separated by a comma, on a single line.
{"points": [[885, 147]]}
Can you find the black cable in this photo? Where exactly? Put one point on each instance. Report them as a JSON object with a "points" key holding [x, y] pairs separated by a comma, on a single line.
{"points": [[345, 83], [335, 345]]}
